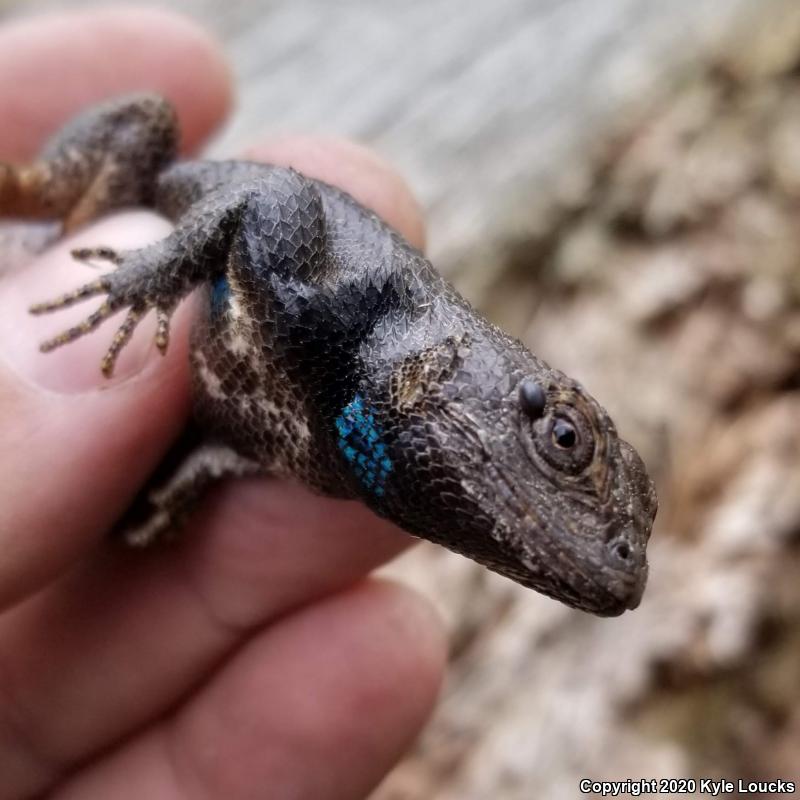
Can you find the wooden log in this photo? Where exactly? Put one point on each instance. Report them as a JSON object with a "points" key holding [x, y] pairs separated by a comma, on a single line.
{"points": [[671, 285]]}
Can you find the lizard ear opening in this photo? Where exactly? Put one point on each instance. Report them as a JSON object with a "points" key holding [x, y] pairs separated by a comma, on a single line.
{"points": [[417, 378], [532, 398]]}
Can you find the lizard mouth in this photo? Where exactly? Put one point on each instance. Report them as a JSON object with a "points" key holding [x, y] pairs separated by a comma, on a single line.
{"points": [[625, 594], [605, 592], [602, 572]]}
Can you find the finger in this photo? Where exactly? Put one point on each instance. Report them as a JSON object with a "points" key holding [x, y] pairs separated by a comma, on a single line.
{"points": [[43, 419], [62, 450], [126, 637], [73, 457], [253, 560], [320, 705], [149, 49]]}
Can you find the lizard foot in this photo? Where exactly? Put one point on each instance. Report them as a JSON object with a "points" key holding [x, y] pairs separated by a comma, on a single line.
{"points": [[6, 176], [123, 288]]}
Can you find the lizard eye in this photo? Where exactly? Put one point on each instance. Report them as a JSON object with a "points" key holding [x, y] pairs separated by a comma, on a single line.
{"points": [[563, 434], [564, 439]]}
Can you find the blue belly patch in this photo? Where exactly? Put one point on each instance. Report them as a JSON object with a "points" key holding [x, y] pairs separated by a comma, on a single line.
{"points": [[360, 440], [220, 295]]}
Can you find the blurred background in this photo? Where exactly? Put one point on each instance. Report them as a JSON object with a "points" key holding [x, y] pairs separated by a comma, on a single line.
{"points": [[618, 184]]}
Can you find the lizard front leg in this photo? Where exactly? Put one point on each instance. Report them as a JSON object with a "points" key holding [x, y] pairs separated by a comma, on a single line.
{"points": [[257, 221], [230, 236], [154, 277]]}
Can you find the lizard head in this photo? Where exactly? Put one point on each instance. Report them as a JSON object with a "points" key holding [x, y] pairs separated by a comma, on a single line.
{"points": [[515, 465]]}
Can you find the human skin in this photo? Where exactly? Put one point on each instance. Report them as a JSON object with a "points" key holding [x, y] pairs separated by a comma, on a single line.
{"points": [[253, 658]]}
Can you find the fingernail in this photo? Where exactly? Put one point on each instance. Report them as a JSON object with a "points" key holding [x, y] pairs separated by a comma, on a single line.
{"points": [[75, 367]]}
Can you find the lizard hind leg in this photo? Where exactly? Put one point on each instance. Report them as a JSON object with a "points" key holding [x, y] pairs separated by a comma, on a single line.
{"points": [[177, 486], [106, 158]]}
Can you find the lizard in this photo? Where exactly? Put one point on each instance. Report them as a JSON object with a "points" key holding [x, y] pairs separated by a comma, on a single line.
{"points": [[328, 350]]}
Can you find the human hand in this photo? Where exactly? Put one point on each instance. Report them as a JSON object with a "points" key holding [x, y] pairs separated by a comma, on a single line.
{"points": [[252, 659]]}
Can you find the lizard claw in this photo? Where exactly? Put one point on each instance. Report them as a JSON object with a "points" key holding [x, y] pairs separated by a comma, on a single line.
{"points": [[94, 320], [87, 254], [121, 338], [162, 329], [93, 289], [121, 292]]}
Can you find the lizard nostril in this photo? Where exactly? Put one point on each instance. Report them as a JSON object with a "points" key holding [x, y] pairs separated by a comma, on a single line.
{"points": [[623, 551]]}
